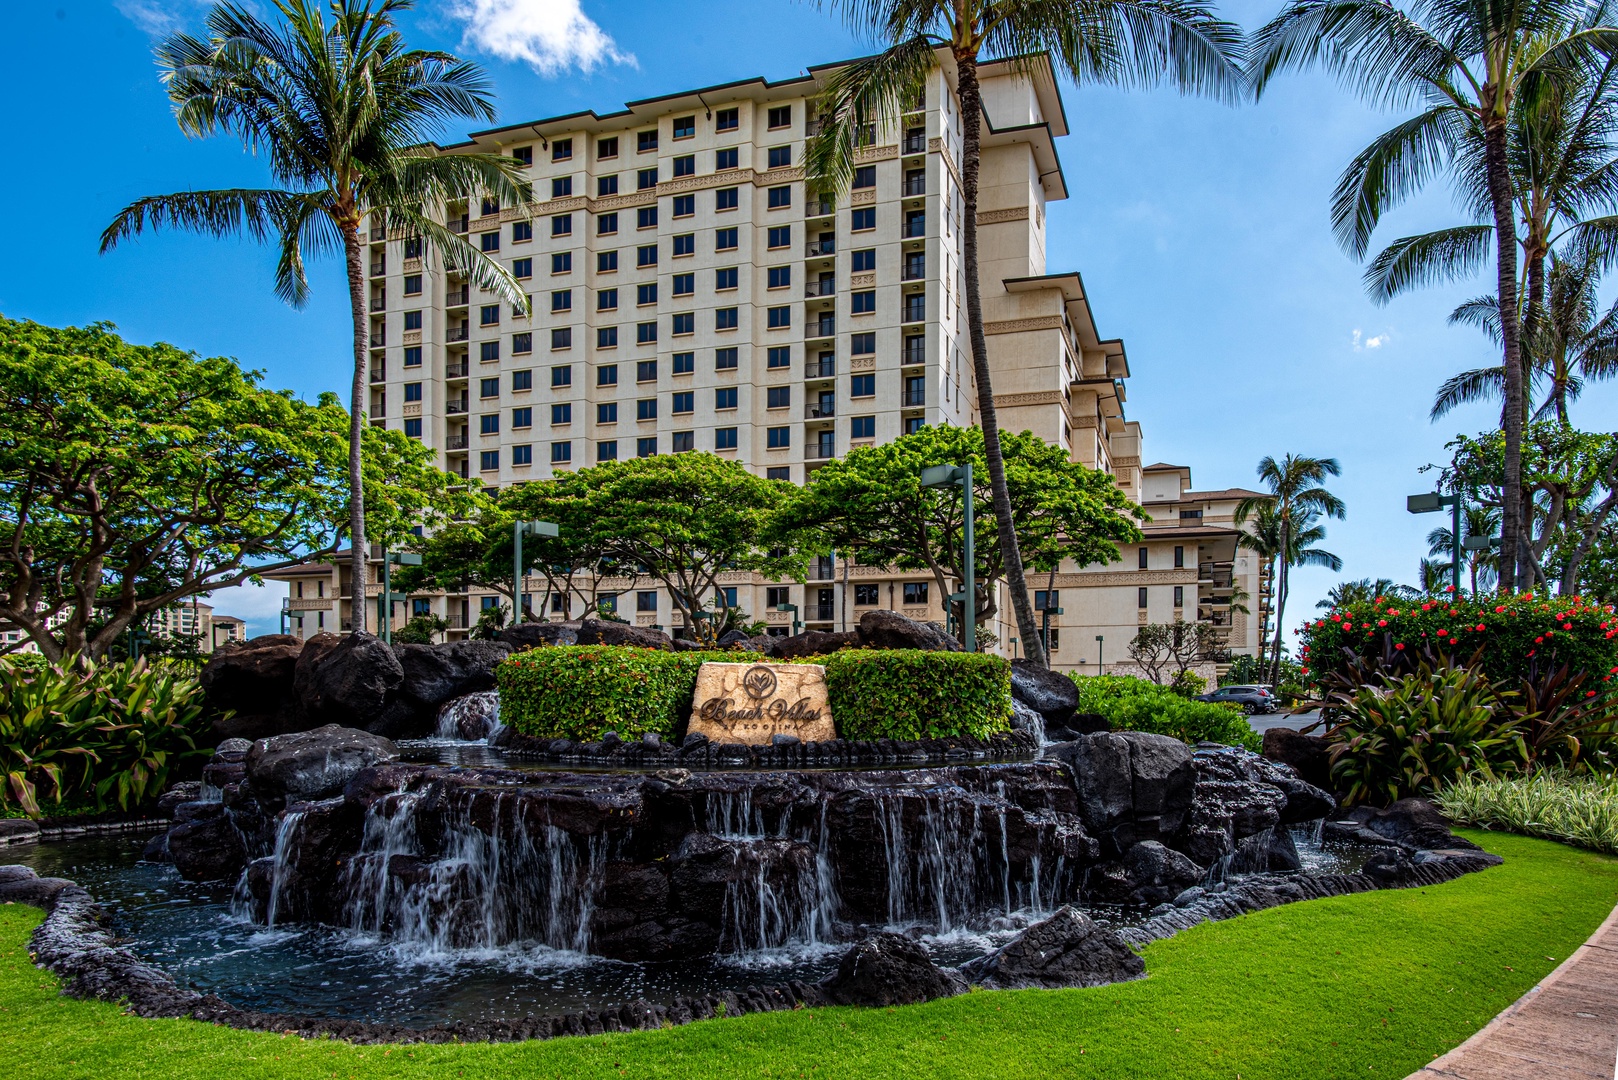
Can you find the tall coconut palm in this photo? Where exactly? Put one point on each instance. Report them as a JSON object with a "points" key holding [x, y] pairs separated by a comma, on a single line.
{"points": [[1127, 42], [1262, 537], [1363, 591], [1468, 65], [344, 114], [1297, 499]]}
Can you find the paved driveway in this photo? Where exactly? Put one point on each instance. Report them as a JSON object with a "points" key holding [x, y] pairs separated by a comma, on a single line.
{"points": [[1261, 724]]}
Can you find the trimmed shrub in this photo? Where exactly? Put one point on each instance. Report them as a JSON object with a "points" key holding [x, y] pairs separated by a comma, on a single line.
{"points": [[1131, 704], [918, 693]]}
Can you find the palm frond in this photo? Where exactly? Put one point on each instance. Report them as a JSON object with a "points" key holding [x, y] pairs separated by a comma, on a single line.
{"points": [[872, 91], [1397, 164], [256, 213], [1430, 258], [1479, 384]]}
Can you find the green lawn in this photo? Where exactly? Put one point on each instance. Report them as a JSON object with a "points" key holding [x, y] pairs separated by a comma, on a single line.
{"points": [[1370, 985]]}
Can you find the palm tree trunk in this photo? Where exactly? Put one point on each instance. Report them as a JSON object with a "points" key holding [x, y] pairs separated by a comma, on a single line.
{"points": [[1283, 562], [357, 563], [1505, 235], [1006, 527]]}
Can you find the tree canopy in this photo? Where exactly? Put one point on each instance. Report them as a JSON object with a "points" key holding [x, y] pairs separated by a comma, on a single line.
{"points": [[135, 476]]}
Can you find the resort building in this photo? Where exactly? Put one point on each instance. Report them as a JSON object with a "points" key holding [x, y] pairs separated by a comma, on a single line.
{"points": [[194, 618], [692, 292]]}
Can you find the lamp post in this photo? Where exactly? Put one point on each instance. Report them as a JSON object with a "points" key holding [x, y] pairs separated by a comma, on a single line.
{"points": [[385, 602], [1101, 664], [518, 531], [940, 476], [1430, 503], [794, 609]]}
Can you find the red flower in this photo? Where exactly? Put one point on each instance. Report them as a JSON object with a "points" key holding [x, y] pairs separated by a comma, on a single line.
{"points": [[1567, 626], [1449, 588], [1400, 647], [1499, 609], [1336, 618], [1382, 622], [1443, 633], [1539, 641], [1348, 626], [1589, 693]]}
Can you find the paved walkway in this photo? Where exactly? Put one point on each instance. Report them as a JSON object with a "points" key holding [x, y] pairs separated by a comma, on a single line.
{"points": [[1566, 1028]]}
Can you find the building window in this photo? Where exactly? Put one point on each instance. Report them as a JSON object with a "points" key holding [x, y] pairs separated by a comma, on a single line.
{"points": [[915, 592], [780, 356], [561, 338], [412, 428], [779, 472], [488, 388], [779, 277], [561, 150], [685, 244], [780, 116], [607, 375], [606, 262], [1141, 556], [521, 233], [606, 337], [646, 371], [1140, 597], [1179, 596], [685, 205], [606, 185], [724, 438], [684, 442], [780, 197], [865, 177], [780, 236], [646, 333], [646, 447], [523, 417], [864, 219], [915, 308], [863, 261], [685, 165], [725, 279], [561, 413], [607, 412], [867, 594], [1047, 601], [489, 424], [524, 268], [522, 380], [606, 224], [607, 300], [862, 427], [646, 255], [778, 438], [727, 120], [862, 344], [724, 359], [607, 603], [778, 318], [489, 241], [561, 187], [646, 141], [1052, 639], [685, 363], [1190, 515], [778, 397], [727, 198], [1179, 557], [561, 453], [489, 315], [559, 601], [685, 127], [524, 155], [562, 300], [862, 386], [685, 284], [646, 601], [562, 225], [685, 401], [412, 284], [725, 318], [412, 356], [725, 239], [864, 303], [645, 179], [646, 409], [522, 343], [607, 148], [724, 398], [412, 320], [607, 451], [646, 217], [489, 461]]}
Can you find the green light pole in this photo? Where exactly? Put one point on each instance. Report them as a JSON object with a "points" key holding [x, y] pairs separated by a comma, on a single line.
{"points": [[941, 476], [794, 609], [518, 531], [385, 602], [1432, 503], [1101, 663]]}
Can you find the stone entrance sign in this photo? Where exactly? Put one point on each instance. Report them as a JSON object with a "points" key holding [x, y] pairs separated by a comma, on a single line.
{"points": [[748, 703]]}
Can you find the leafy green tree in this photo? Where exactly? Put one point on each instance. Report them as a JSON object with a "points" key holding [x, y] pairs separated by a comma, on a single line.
{"points": [[873, 500], [1297, 500], [1469, 66], [1124, 42], [135, 476], [345, 115]]}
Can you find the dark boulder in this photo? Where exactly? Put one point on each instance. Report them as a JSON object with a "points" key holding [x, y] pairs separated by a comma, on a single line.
{"points": [[316, 764], [1273, 850], [1049, 693], [347, 680], [1416, 823], [533, 635], [207, 849], [732, 639], [882, 629], [255, 681], [1147, 875], [23, 885], [434, 674], [608, 632], [889, 969], [813, 643], [183, 792], [1132, 785], [1304, 801], [1067, 949], [1308, 755]]}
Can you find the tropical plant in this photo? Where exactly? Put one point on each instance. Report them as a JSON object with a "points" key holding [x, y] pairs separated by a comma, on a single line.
{"points": [[1579, 810], [491, 620], [420, 630], [1364, 590], [1469, 66], [133, 477], [1127, 42], [345, 115], [1566, 718], [1297, 499], [1131, 704], [1172, 649]]}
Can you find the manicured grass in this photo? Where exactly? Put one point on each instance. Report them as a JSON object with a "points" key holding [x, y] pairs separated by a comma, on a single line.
{"points": [[1370, 985]]}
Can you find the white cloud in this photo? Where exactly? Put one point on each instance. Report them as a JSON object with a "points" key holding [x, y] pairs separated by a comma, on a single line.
{"points": [[258, 605], [160, 18], [1361, 342], [550, 35]]}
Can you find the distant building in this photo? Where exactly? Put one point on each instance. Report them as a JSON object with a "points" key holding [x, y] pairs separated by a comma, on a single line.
{"points": [[194, 618]]}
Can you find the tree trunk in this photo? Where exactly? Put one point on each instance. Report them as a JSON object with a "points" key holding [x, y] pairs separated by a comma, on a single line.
{"points": [[1505, 235], [1006, 527], [358, 564], [1283, 563]]}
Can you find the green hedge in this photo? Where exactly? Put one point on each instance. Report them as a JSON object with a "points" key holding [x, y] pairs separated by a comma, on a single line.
{"points": [[1131, 704], [916, 693], [582, 691]]}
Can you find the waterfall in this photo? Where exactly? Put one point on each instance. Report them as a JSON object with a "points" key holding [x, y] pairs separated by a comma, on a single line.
{"points": [[470, 718], [731, 815], [286, 835]]}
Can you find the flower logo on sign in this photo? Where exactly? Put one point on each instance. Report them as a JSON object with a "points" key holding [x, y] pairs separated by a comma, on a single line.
{"points": [[759, 682]]}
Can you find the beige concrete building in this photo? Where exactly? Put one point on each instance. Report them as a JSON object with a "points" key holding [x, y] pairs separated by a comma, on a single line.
{"points": [[691, 292]]}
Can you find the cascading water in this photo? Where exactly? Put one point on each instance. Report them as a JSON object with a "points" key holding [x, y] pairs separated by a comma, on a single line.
{"points": [[470, 718]]}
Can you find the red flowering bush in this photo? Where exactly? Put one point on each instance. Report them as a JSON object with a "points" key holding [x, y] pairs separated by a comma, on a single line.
{"points": [[1516, 634]]}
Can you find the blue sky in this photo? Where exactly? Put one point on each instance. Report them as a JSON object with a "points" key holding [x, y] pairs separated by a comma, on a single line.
{"points": [[1201, 231]]}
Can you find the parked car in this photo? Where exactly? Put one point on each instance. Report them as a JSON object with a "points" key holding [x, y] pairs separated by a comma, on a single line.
{"points": [[1252, 699]]}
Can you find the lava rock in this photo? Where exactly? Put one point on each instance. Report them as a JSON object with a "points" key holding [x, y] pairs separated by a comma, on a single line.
{"points": [[889, 969], [1132, 785], [207, 849], [255, 681], [23, 885], [882, 629], [1271, 851], [183, 792], [1049, 693], [733, 638], [316, 764], [813, 643], [1148, 874], [534, 635], [608, 632], [347, 680], [1067, 949], [1226, 811], [472, 717], [1304, 801], [1417, 823], [1308, 755], [435, 674], [15, 830]]}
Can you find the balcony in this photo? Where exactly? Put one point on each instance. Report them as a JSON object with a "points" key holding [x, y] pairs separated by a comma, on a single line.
{"points": [[458, 297], [821, 208], [379, 267], [825, 612], [457, 333], [915, 399], [459, 225], [379, 373], [457, 442], [825, 410], [916, 185], [914, 313], [378, 339], [379, 303], [820, 288], [457, 371], [914, 269], [913, 356], [455, 408], [820, 369], [823, 569], [824, 327], [914, 144], [820, 247], [457, 621], [914, 229], [811, 128], [378, 233], [819, 452]]}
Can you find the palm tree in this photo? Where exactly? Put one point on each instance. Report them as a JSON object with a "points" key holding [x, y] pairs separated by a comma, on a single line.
{"points": [[1128, 42], [1469, 65], [1480, 565], [345, 114], [1363, 591], [1297, 499], [1263, 537]]}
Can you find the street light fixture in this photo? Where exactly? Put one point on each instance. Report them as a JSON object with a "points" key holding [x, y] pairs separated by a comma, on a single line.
{"points": [[794, 609], [1430, 503], [1101, 663], [519, 530], [385, 602], [942, 476]]}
